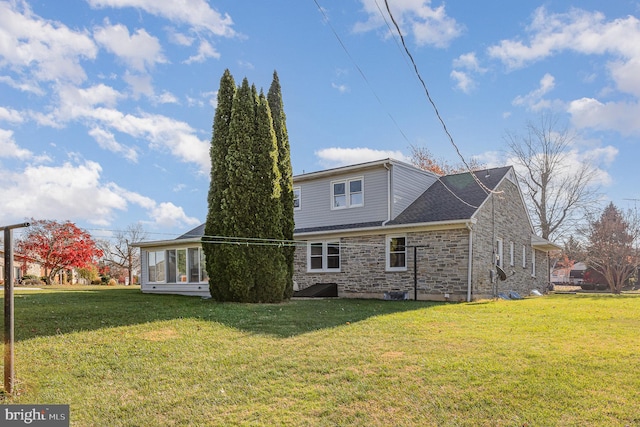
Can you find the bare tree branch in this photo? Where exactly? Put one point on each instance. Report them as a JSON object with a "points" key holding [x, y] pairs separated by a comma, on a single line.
{"points": [[555, 189]]}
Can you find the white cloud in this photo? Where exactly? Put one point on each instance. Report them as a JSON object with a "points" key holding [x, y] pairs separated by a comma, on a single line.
{"points": [[162, 132], [577, 30], [427, 25], [465, 66], [62, 192], [23, 86], [40, 49], [165, 98], [619, 116], [335, 156], [463, 80], [205, 50], [626, 74], [196, 13], [140, 84], [587, 33], [169, 215], [10, 115], [468, 61], [107, 140], [139, 50], [9, 148], [75, 191], [179, 38], [342, 88], [534, 100]]}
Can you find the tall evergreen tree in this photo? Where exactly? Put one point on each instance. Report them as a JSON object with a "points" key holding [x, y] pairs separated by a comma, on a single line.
{"points": [[245, 198], [236, 279], [268, 260], [278, 116], [219, 182]]}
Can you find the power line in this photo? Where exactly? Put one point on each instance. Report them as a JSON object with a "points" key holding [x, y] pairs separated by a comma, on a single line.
{"points": [[433, 104], [355, 64]]}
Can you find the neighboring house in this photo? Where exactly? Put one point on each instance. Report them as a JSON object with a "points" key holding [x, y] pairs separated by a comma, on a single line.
{"points": [[21, 266], [569, 276], [359, 227]]}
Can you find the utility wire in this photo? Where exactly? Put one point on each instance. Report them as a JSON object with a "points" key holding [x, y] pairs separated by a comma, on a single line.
{"points": [[355, 64], [433, 104], [335, 33]]}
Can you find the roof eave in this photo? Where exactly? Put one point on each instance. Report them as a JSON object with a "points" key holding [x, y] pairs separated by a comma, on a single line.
{"points": [[458, 223]]}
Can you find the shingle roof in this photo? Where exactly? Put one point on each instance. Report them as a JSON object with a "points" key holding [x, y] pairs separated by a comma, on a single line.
{"points": [[452, 197], [338, 227], [196, 232], [442, 201]]}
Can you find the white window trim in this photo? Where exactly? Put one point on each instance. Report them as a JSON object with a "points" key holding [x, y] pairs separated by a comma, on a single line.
{"points": [[524, 256], [388, 252], [499, 252], [533, 262], [164, 266], [325, 253], [299, 190], [512, 257], [347, 193]]}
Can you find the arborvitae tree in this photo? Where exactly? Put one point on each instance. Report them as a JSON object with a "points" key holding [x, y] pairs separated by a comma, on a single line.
{"points": [[218, 154], [278, 116], [268, 260], [246, 202], [236, 279]]}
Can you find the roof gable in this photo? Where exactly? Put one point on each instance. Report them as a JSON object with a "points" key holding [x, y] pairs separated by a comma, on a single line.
{"points": [[452, 197]]}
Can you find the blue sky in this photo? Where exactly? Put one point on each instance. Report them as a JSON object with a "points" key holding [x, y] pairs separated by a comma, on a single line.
{"points": [[106, 106]]}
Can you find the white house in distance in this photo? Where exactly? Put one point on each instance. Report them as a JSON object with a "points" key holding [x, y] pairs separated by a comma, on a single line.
{"points": [[385, 228]]}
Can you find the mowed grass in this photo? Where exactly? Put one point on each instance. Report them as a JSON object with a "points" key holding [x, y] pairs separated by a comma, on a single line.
{"points": [[121, 358]]}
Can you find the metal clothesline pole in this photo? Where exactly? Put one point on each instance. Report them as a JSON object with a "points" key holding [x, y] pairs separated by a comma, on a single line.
{"points": [[9, 371]]}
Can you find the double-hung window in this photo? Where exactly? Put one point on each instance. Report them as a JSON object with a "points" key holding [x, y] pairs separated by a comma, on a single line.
{"points": [[348, 193], [511, 254], [499, 252], [297, 193], [323, 256], [396, 253], [533, 262]]}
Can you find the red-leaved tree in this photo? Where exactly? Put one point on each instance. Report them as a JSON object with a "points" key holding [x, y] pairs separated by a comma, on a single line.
{"points": [[57, 246]]}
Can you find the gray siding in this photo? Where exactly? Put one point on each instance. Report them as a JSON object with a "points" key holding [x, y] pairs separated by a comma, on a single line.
{"points": [[315, 200], [407, 184]]}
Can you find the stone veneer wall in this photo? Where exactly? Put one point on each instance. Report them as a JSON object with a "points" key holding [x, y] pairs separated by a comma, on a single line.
{"points": [[443, 261], [442, 266], [511, 225]]}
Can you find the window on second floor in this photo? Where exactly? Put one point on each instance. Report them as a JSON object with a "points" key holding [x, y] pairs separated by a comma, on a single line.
{"points": [[348, 193], [297, 201]]}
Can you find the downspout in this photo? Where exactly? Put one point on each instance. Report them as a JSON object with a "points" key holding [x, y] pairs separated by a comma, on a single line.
{"points": [[470, 262], [386, 166]]}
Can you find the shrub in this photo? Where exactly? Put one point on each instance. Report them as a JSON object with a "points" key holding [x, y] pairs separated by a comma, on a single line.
{"points": [[112, 282]]}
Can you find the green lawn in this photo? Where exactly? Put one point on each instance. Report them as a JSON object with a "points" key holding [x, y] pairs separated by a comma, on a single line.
{"points": [[121, 358]]}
